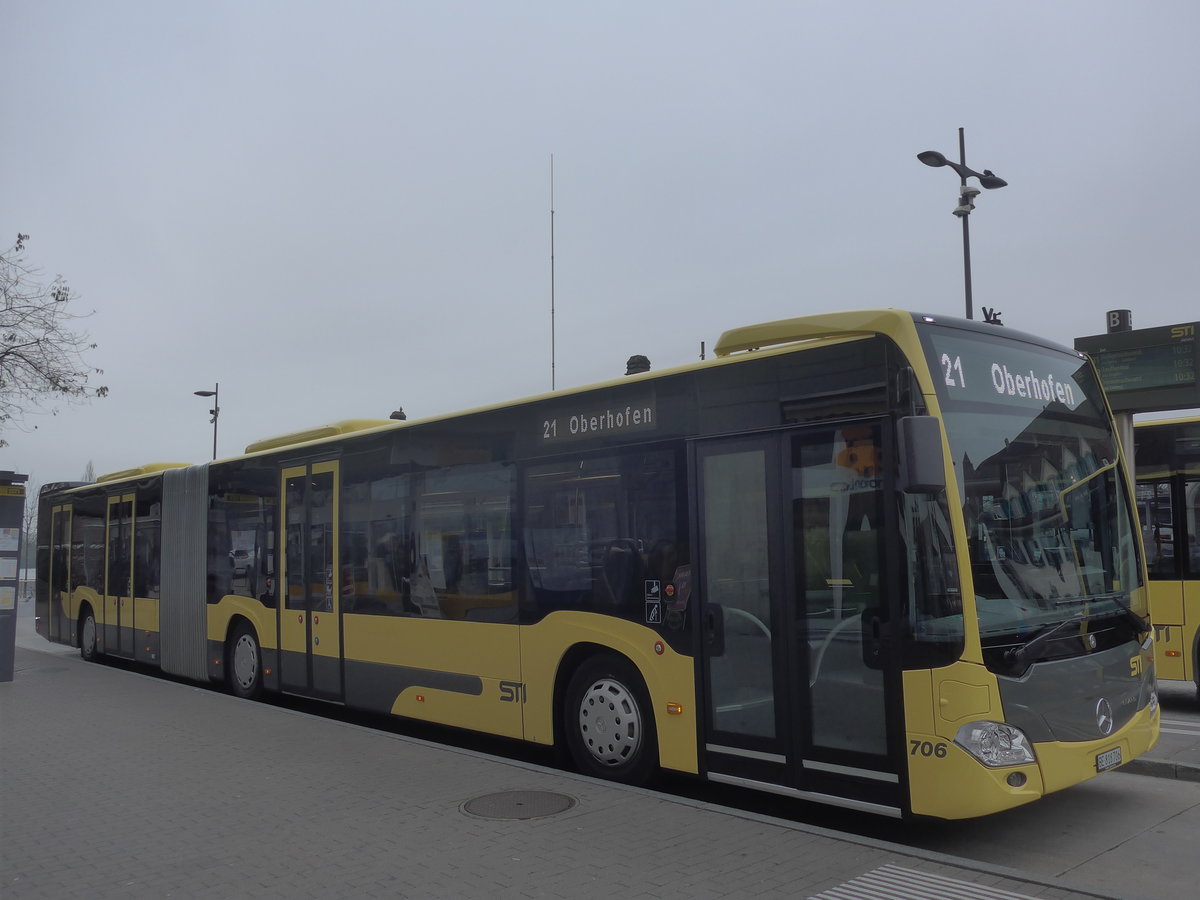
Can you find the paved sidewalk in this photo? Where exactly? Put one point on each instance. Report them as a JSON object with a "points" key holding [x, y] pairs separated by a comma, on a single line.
{"points": [[118, 785], [1177, 753]]}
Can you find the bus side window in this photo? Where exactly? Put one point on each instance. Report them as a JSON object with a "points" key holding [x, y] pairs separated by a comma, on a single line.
{"points": [[147, 542], [601, 533], [461, 551], [935, 630], [378, 547]]}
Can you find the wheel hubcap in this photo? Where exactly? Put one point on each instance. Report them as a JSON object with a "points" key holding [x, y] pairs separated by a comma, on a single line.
{"points": [[89, 634], [610, 722], [245, 661]]}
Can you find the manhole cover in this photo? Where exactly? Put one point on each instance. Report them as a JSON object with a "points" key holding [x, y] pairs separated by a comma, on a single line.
{"points": [[519, 805]]}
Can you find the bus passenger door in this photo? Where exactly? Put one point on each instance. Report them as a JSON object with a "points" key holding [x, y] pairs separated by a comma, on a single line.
{"points": [[310, 659], [797, 671], [839, 483], [1165, 566], [744, 662], [118, 584]]}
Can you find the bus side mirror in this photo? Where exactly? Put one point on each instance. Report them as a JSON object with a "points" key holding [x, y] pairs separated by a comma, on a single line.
{"points": [[922, 466], [714, 629], [874, 636]]}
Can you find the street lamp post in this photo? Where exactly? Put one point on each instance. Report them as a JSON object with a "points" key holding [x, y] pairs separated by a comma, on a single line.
{"points": [[966, 197], [215, 393]]}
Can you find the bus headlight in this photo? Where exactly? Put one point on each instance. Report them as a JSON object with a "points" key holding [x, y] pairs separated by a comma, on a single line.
{"points": [[995, 744]]}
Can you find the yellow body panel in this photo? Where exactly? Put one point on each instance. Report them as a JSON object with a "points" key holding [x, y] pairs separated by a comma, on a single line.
{"points": [[145, 614], [107, 615], [530, 656], [1166, 602], [488, 650], [334, 429], [1175, 612], [944, 780], [1191, 620], [485, 712], [947, 782], [1170, 653], [140, 471], [477, 648], [146, 627], [68, 602], [962, 692], [669, 676], [73, 602], [950, 783], [960, 701], [231, 606], [141, 614], [1064, 764]]}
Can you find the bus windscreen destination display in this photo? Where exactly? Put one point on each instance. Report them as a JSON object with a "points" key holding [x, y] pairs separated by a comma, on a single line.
{"points": [[973, 370]]}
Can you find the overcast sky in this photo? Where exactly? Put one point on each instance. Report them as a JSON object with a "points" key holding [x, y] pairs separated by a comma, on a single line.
{"points": [[335, 209]]}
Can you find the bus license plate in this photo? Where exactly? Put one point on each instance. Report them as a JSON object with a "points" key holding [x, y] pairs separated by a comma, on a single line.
{"points": [[1109, 759]]}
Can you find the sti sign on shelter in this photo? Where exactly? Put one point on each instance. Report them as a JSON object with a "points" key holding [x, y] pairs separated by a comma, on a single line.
{"points": [[1147, 370]]}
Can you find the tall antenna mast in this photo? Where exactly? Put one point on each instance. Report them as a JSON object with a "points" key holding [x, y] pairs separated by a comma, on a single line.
{"points": [[552, 271]]}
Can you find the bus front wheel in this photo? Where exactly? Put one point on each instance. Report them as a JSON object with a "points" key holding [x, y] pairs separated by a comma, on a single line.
{"points": [[243, 663], [608, 721]]}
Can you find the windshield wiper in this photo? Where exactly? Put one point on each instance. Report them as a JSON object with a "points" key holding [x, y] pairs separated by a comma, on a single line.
{"points": [[1033, 646], [1139, 625]]}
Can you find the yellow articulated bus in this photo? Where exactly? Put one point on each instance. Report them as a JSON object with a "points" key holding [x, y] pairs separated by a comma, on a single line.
{"points": [[881, 560], [1167, 458]]}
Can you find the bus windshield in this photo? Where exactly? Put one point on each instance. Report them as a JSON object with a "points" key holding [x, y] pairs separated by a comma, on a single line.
{"points": [[1049, 529]]}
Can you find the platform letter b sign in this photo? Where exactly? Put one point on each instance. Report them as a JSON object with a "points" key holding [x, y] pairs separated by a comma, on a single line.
{"points": [[1120, 320]]}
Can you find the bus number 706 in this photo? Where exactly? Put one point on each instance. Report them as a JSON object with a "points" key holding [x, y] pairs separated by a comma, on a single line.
{"points": [[928, 748]]}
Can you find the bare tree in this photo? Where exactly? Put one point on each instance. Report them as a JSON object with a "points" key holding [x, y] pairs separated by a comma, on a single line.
{"points": [[29, 514], [41, 346], [29, 528], [89, 472]]}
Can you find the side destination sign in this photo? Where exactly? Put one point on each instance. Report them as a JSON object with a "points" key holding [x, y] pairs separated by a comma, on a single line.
{"points": [[974, 370], [592, 419]]}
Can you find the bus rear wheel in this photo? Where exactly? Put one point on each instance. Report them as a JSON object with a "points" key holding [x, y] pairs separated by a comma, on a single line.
{"points": [[608, 721], [243, 663], [87, 634]]}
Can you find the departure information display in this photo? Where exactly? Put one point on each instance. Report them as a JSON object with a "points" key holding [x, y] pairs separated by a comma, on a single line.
{"points": [[1148, 369]]}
